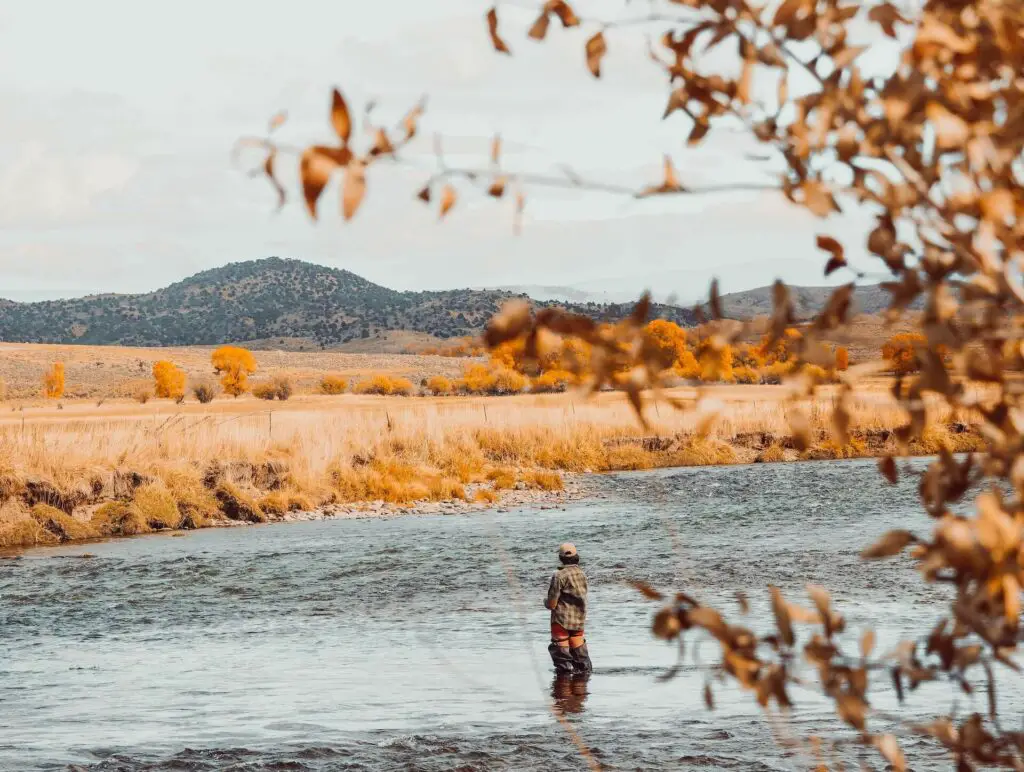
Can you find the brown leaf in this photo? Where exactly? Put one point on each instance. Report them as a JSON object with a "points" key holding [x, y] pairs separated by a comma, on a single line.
{"points": [[424, 194], [382, 144], [340, 118], [564, 12], [782, 618], [410, 118], [447, 199], [646, 590], [315, 170], [818, 198], [887, 466], [743, 601], [709, 619], [497, 188], [890, 749], [492, 30], [951, 131], [509, 323], [835, 249], [890, 544], [823, 602], [540, 27], [596, 49], [886, 15], [786, 11], [268, 169], [354, 189], [845, 56], [701, 127], [743, 85], [714, 301], [867, 643], [852, 709], [709, 697]]}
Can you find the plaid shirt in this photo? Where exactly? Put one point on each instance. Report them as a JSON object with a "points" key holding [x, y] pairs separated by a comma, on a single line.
{"points": [[568, 589]]}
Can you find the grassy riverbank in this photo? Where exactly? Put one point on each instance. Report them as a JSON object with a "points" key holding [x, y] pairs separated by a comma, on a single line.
{"points": [[125, 469]]}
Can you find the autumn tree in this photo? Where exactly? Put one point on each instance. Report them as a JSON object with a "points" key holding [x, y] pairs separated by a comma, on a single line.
{"points": [[169, 380], [900, 351], [234, 365], [929, 147], [53, 381], [842, 358], [668, 338]]}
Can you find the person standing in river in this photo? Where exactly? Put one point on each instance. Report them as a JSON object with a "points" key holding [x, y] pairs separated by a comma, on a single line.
{"points": [[567, 599]]}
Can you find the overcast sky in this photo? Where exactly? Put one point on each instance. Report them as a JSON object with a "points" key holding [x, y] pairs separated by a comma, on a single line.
{"points": [[118, 119]]}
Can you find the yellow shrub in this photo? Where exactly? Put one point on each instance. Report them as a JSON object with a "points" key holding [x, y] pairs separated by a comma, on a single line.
{"points": [[119, 519], [157, 506], [169, 380], [485, 496], [60, 524], [333, 384], [53, 381], [386, 385], [234, 365], [746, 374], [265, 390], [553, 380], [439, 386]]}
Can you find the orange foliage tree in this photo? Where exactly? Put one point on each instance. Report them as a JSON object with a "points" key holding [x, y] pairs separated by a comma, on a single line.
{"points": [[169, 380], [668, 339], [901, 352], [234, 365], [53, 381], [842, 358]]}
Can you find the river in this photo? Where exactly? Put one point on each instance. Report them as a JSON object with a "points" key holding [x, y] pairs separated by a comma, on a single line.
{"points": [[420, 642]]}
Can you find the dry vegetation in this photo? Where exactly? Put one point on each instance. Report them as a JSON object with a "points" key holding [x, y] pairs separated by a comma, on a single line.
{"points": [[115, 372], [124, 469]]}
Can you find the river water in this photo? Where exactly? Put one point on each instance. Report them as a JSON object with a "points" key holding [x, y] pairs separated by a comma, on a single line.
{"points": [[420, 642]]}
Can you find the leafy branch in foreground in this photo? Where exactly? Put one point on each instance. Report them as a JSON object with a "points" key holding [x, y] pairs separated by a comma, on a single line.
{"points": [[932, 150]]}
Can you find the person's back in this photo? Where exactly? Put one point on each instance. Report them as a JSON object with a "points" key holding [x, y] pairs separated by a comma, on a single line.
{"points": [[567, 600]]}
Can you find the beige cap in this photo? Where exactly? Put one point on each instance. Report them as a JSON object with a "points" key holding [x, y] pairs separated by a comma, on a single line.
{"points": [[567, 550]]}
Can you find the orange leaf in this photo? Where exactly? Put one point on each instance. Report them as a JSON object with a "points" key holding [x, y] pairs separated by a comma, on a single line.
{"points": [[564, 12], [540, 27], [268, 168], [354, 189], [887, 466], [701, 127], [497, 188], [744, 83], [492, 30], [496, 149], [845, 56], [315, 170], [837, 259], [340, 118], [890, 544], [410, 118], [517, 221], [951, 131], [596, 49], [447, 199]]}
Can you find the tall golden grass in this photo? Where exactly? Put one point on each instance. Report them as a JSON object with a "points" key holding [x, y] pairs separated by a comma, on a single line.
{"points": [[140, 471]]}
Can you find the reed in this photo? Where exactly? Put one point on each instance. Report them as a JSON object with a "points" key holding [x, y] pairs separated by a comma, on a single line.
{"points": [[136, 471]]}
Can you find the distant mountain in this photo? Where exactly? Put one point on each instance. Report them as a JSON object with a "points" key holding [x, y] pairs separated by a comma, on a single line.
{"points": [[867, 299], [267, 301]]}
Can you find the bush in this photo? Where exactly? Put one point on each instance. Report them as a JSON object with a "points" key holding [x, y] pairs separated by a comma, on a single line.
{"points": [[53, 381], [333, 384], [439, 386], [552, 381], [385, 385], [169, 380], [842, 358], [234, 365], [280, 388], [508, 382], [143, 395], [204, 392], [264, 391], [744, 374], [776, 372]]}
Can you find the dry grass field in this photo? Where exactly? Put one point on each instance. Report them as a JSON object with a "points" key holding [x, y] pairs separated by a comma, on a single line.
{"points": [[122, 468], [116, 372]]}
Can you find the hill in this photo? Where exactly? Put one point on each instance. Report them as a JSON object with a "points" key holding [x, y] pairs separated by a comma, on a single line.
{"points": [[268, 303], [867, 299]]}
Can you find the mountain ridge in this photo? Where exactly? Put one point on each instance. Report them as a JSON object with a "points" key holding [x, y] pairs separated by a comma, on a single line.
{"points": [[267, 299]]}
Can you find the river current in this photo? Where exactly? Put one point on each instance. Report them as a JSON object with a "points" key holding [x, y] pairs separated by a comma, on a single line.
{"points": [[419, 642]]}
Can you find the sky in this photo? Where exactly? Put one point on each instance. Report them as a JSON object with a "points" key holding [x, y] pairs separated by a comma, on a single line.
{"points": [[118, 124]]}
